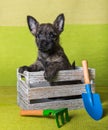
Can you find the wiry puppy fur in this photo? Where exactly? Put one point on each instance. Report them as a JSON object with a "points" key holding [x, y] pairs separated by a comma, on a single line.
{"points": [[51, 57]]}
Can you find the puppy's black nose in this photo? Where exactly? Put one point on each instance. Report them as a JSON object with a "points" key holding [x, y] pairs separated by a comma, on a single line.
{"points": [[44, 43]]}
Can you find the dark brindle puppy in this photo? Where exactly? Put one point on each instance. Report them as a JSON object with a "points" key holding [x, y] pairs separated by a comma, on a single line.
{"points": [[51, 56]]}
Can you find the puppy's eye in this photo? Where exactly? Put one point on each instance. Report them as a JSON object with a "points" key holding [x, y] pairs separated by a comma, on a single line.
{"points": [[39, 35], [52, 35]]}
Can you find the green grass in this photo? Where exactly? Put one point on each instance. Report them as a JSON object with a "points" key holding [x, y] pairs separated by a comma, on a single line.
{"points": [[80, 42]]}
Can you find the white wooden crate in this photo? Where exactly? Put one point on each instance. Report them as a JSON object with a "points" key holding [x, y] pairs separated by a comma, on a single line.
{"points": [[34, 92]]}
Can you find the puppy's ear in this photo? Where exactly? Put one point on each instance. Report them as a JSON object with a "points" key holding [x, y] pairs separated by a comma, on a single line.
{"points": [[59, 23], [32, 24]]}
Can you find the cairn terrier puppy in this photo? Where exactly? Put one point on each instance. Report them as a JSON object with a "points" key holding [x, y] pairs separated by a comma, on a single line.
{"points": [[51, 57]]}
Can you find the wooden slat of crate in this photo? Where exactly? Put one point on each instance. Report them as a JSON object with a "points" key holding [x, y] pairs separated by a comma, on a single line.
{"points": [[23, 95], [51, 91], [56, 91], [22, 87], [22, 102], [64, 75], [70, 104]]}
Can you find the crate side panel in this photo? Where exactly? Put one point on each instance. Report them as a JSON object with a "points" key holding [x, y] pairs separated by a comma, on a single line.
{"points": [[57, 91], [71, 104], [22, 104], [22, 87], [23, 97], [64, 75]]}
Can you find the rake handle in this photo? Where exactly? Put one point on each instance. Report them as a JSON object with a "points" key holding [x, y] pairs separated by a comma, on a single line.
{"points": [[31, 112], [46, 112], [86, 72]]}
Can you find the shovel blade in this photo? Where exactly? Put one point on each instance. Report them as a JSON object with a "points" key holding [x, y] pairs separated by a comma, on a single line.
{"points": [[94, 109]]}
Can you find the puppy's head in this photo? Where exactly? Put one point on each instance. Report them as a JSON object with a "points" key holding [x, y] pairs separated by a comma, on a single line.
{"points": [[47, 35]]}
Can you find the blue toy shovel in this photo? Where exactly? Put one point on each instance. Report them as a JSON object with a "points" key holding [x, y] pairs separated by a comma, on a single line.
{"points": [[92, 102]]}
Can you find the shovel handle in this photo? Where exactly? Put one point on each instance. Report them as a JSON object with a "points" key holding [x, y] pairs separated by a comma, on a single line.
{"points": [[86, 72]]}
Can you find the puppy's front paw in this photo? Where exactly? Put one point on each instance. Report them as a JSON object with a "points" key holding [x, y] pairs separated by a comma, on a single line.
{"points": [[23, 68], [48, 76]]}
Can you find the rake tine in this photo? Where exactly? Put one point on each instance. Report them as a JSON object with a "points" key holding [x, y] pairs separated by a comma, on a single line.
{"points": [[62, 118], [67, 116], [57, 120]]}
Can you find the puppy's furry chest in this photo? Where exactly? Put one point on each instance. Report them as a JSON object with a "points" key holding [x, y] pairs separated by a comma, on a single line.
{"points": [[50, 59], [46, 58], [55, 58]]}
